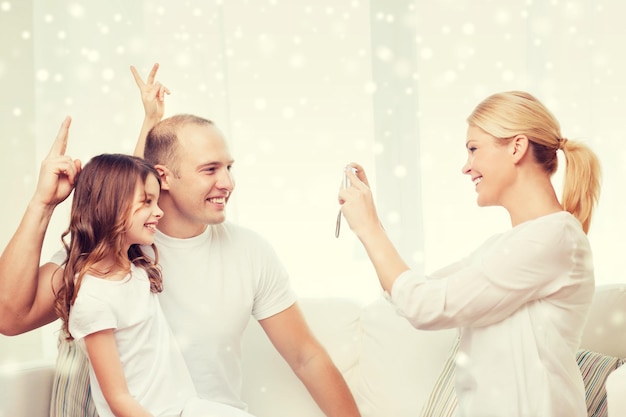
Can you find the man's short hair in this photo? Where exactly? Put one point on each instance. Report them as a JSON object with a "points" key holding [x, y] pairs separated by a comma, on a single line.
{"points": [[162, 144]]}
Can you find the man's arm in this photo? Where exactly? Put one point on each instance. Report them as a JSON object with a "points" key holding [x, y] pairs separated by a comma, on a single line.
{"points": [[153, 99], [293, 339], [26, 296]]}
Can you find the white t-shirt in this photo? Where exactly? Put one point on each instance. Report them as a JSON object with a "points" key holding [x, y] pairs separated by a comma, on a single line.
{"points": [[212, 284], [521, 301], [153, 365]]}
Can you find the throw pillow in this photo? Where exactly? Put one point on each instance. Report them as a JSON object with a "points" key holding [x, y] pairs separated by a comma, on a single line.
{"points": [[398, 364], [442, 400], [71, 394], [595, 368]]}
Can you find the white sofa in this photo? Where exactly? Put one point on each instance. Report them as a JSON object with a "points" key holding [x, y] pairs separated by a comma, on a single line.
{"points": [[390, 366]]}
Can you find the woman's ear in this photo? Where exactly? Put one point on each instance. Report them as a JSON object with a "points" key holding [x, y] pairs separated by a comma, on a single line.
{"points": [[164, 174], [519, 147]]}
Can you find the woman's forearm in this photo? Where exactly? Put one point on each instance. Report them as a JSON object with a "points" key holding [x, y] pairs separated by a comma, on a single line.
{"points": [[384, 256]]}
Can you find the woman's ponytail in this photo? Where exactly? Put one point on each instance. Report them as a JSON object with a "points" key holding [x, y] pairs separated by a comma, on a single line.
{"points": [[581, 186]]}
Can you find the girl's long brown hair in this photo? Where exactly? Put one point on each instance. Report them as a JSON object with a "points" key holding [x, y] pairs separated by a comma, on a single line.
{"points": [[101, 206]]}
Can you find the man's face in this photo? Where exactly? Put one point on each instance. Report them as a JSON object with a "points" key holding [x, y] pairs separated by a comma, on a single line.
{"points": [[198, 190]]}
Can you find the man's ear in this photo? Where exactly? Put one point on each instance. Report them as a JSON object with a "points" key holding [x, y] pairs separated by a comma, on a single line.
{"points": [[519, 147], [164, 174]]}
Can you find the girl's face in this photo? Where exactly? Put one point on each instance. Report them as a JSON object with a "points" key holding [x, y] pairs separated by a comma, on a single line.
{"points": [[489, 165], [145, 213]]}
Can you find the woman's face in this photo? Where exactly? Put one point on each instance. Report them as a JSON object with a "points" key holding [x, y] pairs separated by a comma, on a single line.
{"points": [[489, 165]]}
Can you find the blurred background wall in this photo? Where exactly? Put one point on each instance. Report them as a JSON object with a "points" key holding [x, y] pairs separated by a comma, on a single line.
{"points": [[300, 89]]}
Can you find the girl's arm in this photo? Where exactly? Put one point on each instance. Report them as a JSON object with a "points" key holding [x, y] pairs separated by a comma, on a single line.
{"points": [[153, 99], [106, 364]]}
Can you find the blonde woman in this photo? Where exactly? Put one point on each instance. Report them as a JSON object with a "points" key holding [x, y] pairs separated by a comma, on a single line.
{"points": [[521, 298]]}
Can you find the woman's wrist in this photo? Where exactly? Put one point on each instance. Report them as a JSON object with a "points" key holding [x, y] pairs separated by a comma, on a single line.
{"points": [[371, 232]]}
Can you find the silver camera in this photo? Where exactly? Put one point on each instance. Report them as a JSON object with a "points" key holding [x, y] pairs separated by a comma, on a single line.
{"points": [[346, 180], [344, 184]]}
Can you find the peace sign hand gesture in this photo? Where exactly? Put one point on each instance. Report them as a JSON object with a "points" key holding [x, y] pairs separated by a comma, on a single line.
{"points": [[58, 171], [152, 93]]}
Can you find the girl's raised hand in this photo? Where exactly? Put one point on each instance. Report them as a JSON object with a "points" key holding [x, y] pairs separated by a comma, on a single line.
{"points": [[152, 93]]}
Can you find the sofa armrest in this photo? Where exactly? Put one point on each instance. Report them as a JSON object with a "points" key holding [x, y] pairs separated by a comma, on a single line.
{"points": [[25, 389]]}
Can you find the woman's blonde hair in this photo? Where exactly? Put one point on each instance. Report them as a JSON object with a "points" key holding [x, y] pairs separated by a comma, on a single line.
{"points": [[508, 114]]}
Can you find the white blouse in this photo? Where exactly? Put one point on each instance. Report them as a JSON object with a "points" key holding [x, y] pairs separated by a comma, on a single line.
{"points": [[521, 301]]}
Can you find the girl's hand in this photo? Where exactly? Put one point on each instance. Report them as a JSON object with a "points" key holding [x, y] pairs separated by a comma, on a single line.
{"points": [[152, 93]]}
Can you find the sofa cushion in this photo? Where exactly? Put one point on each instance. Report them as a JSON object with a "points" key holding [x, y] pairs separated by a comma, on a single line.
{"points": [[442, 399], [25, 388], [267, 377], [71, 394], [605, 330], [399, 363], [595, 368]]}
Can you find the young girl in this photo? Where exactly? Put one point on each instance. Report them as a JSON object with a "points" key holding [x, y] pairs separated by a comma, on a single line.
{"points": [[108, 301], [522, 297]]}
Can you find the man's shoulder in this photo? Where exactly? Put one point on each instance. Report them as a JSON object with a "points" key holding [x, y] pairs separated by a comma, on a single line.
{"points": [[241, 239]]}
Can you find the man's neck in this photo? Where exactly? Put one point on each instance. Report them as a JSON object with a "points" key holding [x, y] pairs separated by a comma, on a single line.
{"points": [[181, 230]]}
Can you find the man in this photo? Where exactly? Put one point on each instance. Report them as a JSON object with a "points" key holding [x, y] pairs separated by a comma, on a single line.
{"points": [[216, 274]]}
